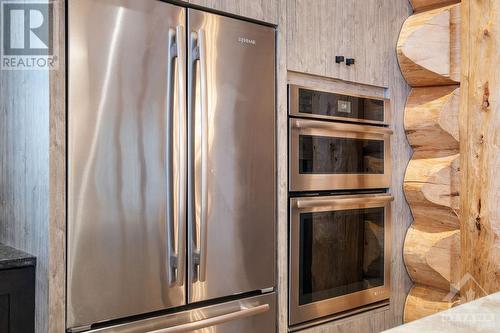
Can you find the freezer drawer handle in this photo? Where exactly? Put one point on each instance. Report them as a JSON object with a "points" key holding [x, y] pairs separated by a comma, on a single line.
{"points": [[176, 183], [244, 312]]}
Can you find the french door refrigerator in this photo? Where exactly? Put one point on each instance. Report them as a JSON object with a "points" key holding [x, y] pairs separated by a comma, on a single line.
{"points": [[171, 170]]}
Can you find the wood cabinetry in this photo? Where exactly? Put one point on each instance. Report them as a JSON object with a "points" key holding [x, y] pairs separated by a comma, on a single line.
{"points": [[319, 30], [262, 10], [17, 300]]}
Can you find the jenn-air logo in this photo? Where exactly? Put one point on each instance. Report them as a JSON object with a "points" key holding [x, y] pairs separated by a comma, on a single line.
{"points": [[245, 40]]}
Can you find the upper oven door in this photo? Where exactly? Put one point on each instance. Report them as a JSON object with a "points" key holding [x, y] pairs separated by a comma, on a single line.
{"points": [[327, 105], [327, 156], [340, 253]]}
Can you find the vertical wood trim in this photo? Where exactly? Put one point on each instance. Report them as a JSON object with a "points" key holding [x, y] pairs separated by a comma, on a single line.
{"points": [[463, 130], [282, 167], [57, 183], [480, 125], [401, 154]]}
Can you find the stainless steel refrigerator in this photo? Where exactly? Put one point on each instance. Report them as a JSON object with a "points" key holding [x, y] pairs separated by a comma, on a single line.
{"points": [[171, 170]]}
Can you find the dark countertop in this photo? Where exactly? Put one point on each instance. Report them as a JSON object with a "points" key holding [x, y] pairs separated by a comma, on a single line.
{"points": [[13, 258]]}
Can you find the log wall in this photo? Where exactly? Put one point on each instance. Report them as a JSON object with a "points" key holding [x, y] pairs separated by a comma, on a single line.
{"points": [[429, 57]]}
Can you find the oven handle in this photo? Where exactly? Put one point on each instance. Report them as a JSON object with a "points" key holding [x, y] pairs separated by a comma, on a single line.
{"points": [[311, 124], [310, 203]]}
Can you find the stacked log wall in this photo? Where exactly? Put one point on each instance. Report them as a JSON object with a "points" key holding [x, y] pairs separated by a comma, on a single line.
{"points": [[429, 56]]}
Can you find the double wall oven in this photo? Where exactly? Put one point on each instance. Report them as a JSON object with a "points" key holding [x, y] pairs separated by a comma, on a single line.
{"points": [[340, 206]]}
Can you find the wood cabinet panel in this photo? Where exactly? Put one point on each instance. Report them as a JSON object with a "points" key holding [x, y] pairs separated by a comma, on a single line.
{"points": [[17, 300], [262, 10], [319, 30]]}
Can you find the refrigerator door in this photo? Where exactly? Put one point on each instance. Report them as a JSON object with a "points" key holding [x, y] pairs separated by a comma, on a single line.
{"points": [[127, 156], [231, 182], [249, 315]]}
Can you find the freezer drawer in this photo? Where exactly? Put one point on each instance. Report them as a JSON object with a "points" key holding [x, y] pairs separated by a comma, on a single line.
{"points": [[249, 315]]}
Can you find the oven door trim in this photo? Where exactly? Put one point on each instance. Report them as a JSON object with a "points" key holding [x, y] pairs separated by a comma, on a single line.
{"points": [[293, 95], [325, 182], [302, 313]]}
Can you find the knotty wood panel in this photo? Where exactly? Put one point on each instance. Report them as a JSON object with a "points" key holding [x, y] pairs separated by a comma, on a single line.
{"points": [[480, 152], [319, 30], [262, 10]]}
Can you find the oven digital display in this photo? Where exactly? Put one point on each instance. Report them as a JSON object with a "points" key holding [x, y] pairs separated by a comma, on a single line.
{"points": [[320, 103]]}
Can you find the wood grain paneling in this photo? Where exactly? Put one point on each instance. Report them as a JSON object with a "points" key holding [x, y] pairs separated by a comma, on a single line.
{"points": [[319, 30], [57, 183], [423, 5], [262, 10], [32, 176], [480, 124], [401, 152], [282, 169], [24, 173], [372, 321]]}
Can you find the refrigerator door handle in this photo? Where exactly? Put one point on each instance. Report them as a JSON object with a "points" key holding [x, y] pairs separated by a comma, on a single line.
{"points": [[182, 160], [198, 47], [204, 155], [176, 155], [244, 312], [172, 54]]}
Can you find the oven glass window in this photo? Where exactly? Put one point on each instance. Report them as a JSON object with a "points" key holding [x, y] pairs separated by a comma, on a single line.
{"points": [[341, 252], [331, 155], [336, 105]]}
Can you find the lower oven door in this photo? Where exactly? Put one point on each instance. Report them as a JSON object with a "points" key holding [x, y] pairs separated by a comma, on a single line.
{"points": [[339, 254], [327, 156]]}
